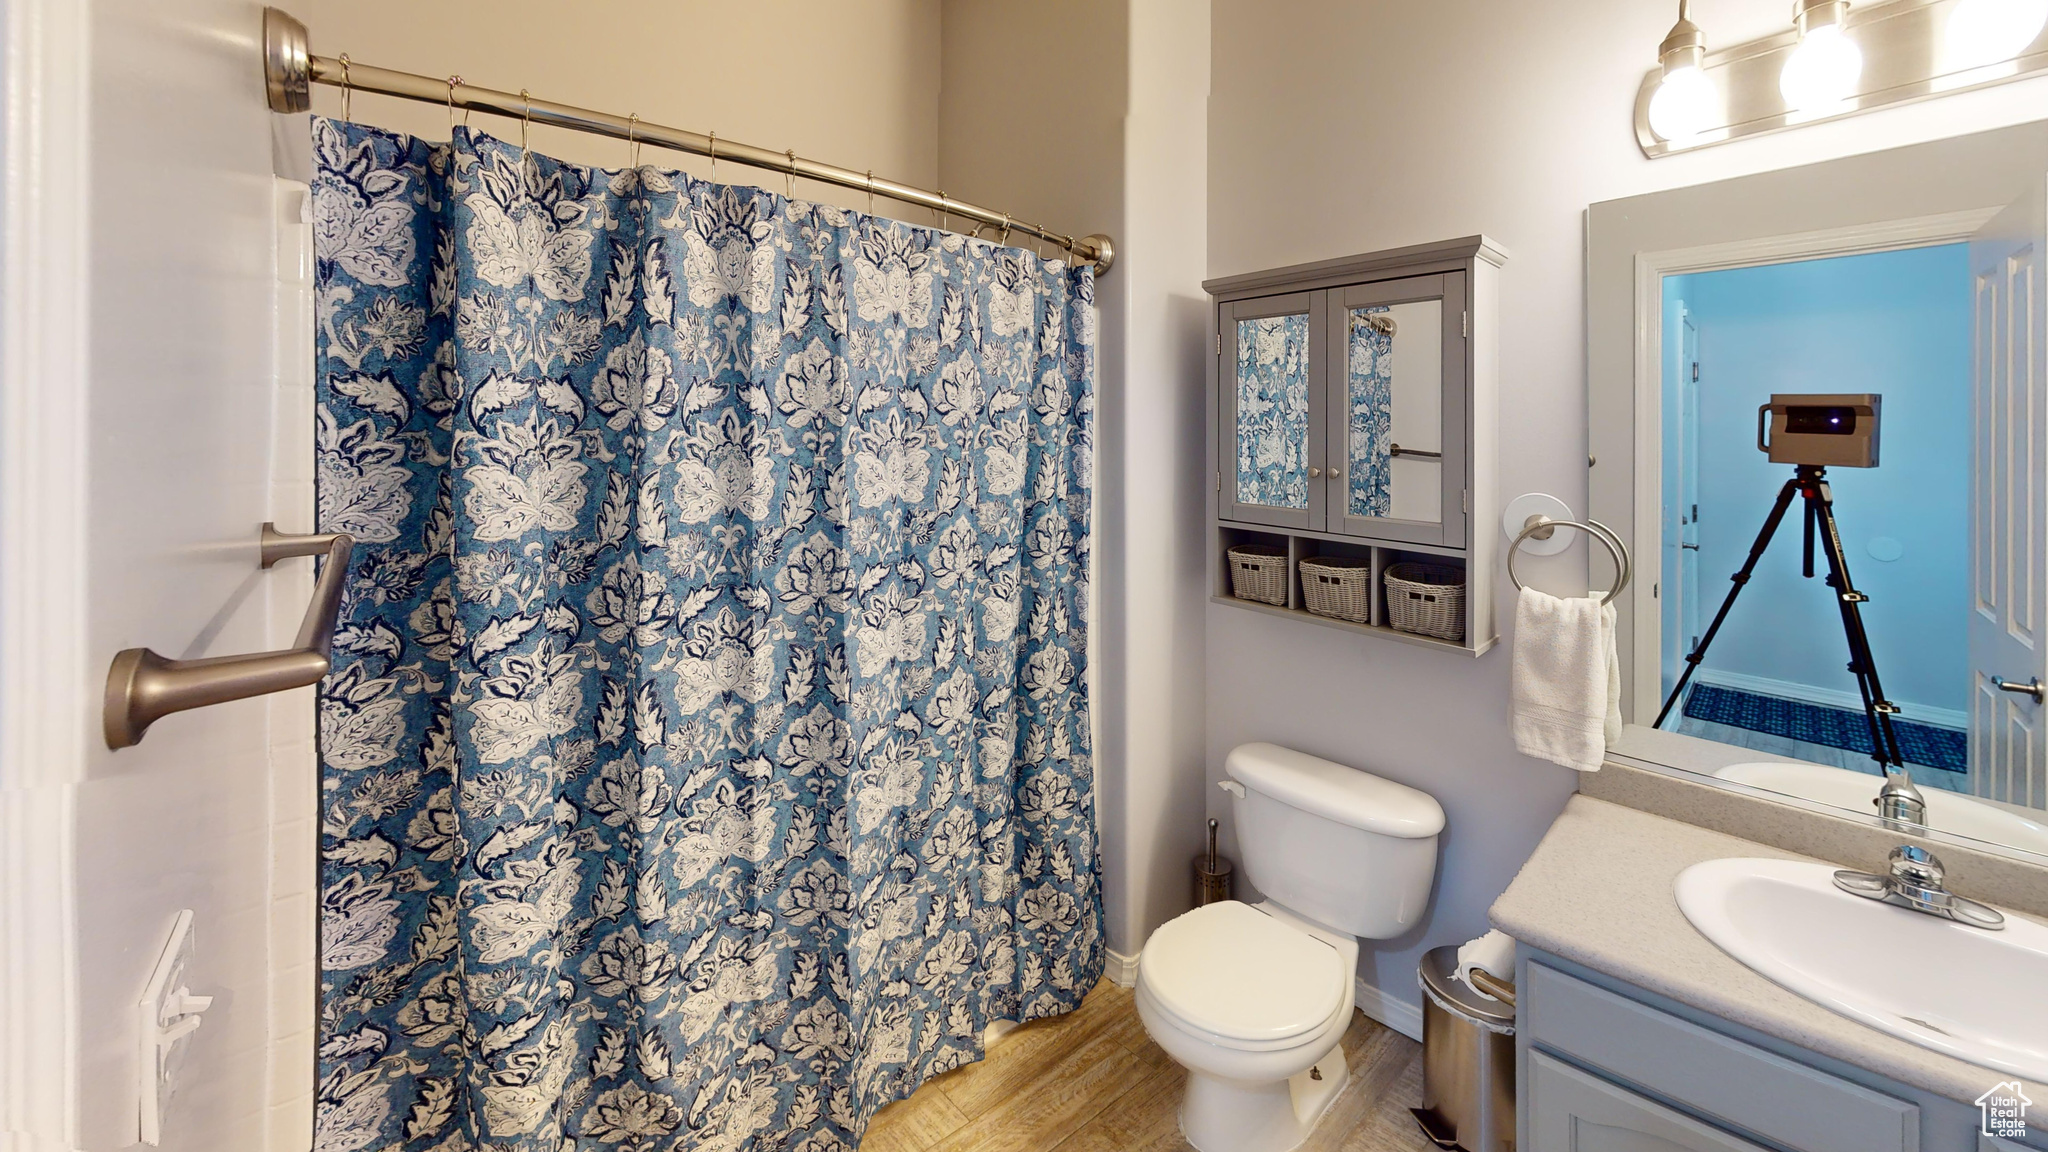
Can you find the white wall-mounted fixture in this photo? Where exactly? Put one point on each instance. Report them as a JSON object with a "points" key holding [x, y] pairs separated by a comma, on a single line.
{"points": [[165, 1016], [1834, 60], [1517, 514]]}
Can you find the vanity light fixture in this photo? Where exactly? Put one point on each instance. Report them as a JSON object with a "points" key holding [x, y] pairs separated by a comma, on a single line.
{"points": [[1685, 102], [1833, 61], [1823, 71]]}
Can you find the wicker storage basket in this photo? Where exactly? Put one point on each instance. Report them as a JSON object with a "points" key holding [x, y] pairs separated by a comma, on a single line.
{"points": [[1259, 572], [1339, 586], [1427, 599]]}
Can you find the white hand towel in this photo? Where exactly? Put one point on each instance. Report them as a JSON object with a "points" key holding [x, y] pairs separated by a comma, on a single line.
{"points": [[1613, 725], [1567, 682], [1494, 952]]}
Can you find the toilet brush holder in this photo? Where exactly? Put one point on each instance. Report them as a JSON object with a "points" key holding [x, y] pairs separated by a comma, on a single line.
{"points": [[1212, 874]]}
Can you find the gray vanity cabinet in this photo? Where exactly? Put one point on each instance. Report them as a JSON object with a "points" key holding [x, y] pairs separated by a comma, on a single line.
{"points": [[1604, 1066], [1576, 1111]]}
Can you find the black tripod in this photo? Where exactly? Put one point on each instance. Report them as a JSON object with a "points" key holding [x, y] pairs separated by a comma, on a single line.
{"points": [[1810, 482]]}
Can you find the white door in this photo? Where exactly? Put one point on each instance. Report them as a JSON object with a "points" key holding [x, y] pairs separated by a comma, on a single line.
{"points": [[140, 394], [1690, 591], [2008, 545]]}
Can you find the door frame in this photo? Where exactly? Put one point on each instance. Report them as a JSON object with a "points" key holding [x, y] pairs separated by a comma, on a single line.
{"points": [[48, 689], [1642, 680]]}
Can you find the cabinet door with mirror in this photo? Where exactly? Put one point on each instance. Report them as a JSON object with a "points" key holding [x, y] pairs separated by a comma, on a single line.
{"points": [[1272, 418], [1396, 410], [1343, 410]]}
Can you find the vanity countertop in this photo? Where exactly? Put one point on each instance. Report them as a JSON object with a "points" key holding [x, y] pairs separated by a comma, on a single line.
{"points": [[1598, 891]]}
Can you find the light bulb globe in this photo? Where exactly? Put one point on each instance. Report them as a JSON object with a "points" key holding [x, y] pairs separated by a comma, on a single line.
{"points": [[1823, 70], [1683, 105], [1983, 32]]}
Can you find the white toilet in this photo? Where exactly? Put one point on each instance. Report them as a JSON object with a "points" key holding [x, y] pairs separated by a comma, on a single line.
{"points": [[1253, 999]]}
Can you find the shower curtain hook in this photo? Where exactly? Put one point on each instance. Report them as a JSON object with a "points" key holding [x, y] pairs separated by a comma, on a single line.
{"points": [[525, 119], [455, 81], [1005, 241], [632, 142], [945, 217], [348, 88], [789, 176], [871, 191], [714, 157]]}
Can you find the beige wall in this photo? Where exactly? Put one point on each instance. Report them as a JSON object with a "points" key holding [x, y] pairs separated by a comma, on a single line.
{"points": [[849, 82], [1340, 128]]}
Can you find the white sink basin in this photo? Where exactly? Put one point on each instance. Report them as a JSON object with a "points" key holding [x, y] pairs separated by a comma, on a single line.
{"points": [[1946, 811], [1972, 993]]}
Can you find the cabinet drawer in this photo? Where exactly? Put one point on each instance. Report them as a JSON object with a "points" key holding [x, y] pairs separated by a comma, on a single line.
{"points": [[1574, 1111], [1735, 1085]]}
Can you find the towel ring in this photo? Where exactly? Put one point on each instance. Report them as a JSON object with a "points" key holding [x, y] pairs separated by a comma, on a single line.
{"points": [[1623, 568]]}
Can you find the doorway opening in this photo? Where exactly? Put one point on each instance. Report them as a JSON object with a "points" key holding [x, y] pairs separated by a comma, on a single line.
{"points": [[1776, 678]]}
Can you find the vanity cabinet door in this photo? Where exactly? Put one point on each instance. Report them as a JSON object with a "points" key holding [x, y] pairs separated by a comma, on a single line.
{"points": [[1397, 400], [1575, 1111], [1270, 425]]}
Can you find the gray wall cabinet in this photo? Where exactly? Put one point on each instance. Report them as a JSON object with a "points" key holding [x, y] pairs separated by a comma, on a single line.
{"points": [[1605, 1066], [1353, 408]]}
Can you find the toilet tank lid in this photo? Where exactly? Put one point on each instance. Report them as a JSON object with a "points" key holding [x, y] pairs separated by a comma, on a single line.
{"points": [[1334, 792]]}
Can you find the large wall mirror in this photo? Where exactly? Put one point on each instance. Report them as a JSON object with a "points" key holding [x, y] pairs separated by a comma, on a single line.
{"points": [[1818, 414]]}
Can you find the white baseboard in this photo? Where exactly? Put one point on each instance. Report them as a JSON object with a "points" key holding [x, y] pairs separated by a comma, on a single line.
{"points": [[1403, 1016], [1121, 970], [1847, 701]]}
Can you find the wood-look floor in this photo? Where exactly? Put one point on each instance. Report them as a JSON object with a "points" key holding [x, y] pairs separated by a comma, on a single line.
{"points": [[1093, 1081]]}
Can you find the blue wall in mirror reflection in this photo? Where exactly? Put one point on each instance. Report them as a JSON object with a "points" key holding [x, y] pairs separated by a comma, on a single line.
{"points": [[1895, 323]]}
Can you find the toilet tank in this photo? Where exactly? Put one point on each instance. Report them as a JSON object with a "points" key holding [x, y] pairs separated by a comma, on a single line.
{"points": [[1342, 847]]}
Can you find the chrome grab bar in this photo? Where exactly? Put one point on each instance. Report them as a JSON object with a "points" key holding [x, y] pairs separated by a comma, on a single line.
{"points": [[143, 687]]}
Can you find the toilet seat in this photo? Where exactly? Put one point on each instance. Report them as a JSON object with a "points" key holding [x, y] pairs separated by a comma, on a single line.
{"points": [[1242, 978]]}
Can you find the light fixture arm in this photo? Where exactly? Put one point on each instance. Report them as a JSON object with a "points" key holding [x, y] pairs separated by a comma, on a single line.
{"points": [[1685, 45], [1808, 15]]}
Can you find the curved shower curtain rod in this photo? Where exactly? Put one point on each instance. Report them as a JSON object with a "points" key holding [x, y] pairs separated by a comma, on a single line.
{"points": [[290, 70]]}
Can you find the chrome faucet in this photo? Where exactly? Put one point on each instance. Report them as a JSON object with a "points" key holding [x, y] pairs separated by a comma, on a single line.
{"points": [[1916, 882], [1900, 804]]}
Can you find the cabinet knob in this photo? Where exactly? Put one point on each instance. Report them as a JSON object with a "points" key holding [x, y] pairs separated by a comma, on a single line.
{"points": [[1314, 473], [1336, 473]]}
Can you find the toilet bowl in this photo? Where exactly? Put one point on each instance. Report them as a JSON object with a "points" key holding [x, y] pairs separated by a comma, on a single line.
{"points": [[1253, 1004], [1254, 1000]]}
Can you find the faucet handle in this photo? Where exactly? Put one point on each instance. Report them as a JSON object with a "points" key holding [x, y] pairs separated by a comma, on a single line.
{"points": [[1916, 866]]}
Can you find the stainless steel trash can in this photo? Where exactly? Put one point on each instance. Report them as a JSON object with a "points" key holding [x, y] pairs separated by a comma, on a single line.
{"points": [[1468, 1061]]}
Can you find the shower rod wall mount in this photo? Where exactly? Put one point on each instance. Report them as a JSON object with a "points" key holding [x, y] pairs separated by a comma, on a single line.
{"points": [[290, 70]]}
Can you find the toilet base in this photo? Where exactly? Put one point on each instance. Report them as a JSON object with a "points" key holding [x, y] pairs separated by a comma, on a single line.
{"points": [[1218, 1114]]}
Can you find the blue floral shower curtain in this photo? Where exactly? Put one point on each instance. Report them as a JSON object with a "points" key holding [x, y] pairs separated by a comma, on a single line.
{"points": [[706, 761]]}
